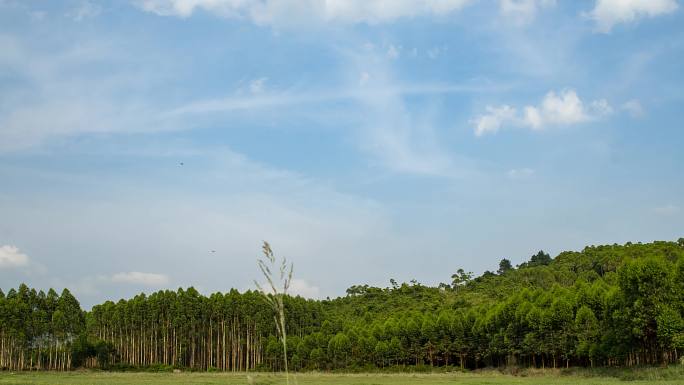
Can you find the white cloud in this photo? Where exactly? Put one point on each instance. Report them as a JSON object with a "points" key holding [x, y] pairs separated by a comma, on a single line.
{"points": [[492, 121], [532, 117], [303, 288], [136, 277], [298, 287], [293, 12], [607, 13], [634, 108], [523, 11], [11, 257], [565, 108], [667, 210], [520, 173]]}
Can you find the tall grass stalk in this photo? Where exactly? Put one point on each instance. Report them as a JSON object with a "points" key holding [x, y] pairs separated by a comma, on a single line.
{"points": [[278, 284]]}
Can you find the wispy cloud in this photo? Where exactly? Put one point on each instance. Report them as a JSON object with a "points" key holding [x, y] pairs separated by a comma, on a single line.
{"points": [[667, 210], [34, 124], [435, 52], [520, 173], [139, 278], [393, 51], [293, 97], [634, 108], [400, 140], [523, 11], [52, 102], [85, 10], [256, 86]]}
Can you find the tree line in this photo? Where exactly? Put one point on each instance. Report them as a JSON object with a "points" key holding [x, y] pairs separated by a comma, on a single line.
{"points": [[605, 305], [37, 330]]}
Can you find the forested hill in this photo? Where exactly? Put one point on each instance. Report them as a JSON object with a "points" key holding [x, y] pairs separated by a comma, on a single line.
{"points": [[594, 265], [604, 305]]}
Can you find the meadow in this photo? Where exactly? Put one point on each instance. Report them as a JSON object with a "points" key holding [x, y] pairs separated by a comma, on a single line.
{"points": [[492, 378]]}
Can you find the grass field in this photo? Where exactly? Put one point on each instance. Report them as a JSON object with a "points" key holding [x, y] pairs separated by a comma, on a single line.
{"points": [[106, 378]]}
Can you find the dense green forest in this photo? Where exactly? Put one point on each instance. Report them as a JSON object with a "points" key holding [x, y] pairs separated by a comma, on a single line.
{"points": [[606, 305]]}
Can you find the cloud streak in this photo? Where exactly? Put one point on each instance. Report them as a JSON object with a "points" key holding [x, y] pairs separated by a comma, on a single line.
{"points": [[520, 173], [667, 210], [140, 278], [287, 98]]}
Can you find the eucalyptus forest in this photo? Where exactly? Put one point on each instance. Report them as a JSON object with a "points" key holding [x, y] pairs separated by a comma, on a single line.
{"points": [[613, 305]]}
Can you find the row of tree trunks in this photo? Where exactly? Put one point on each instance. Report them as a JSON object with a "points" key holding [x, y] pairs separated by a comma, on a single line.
{"points": [[46, 355], [226, 345]]}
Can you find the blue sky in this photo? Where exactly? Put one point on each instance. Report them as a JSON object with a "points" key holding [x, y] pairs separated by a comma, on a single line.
{"points": [[366, 140]]}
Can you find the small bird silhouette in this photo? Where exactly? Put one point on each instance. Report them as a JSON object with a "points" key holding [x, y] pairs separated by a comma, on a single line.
{"points": [[213, 251], [181, 163]]}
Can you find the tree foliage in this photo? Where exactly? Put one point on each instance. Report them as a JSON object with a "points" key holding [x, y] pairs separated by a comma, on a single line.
{"points": [[604, 305]]}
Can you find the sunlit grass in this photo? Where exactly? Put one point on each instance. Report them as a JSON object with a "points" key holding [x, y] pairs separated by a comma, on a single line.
{"points": [[106, 378]]}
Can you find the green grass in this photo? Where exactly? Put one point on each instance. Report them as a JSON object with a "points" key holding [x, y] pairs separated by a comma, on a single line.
{"points": [[493, 378]]}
